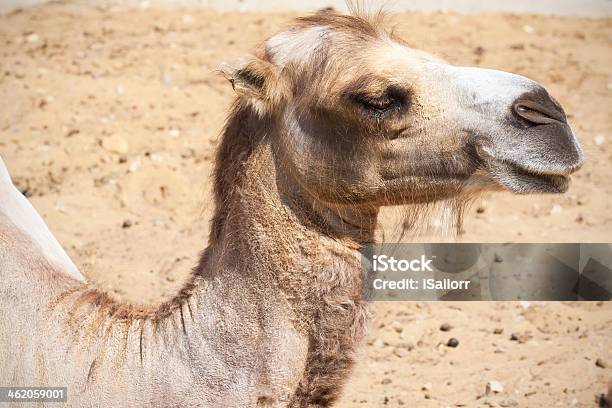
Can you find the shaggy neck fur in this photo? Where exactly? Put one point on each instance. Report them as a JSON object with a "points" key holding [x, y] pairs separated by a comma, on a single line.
{"points": [[308, 250], [269, 244], [248, 163]]}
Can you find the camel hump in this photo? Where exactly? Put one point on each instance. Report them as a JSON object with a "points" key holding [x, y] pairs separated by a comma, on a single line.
{"points": [[20, 212]]}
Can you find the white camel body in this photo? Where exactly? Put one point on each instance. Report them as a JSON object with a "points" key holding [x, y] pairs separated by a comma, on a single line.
{"points": [[334, 118], [194, 358]]}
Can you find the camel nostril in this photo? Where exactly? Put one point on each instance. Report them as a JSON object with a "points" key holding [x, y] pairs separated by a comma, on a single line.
{"points": [[539, 114], [539, 108]]}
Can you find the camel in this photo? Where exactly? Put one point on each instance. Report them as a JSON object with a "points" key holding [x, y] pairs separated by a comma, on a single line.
{"points": [[334, 118]]}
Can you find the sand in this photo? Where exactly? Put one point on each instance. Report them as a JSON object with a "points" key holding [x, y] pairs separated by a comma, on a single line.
{"points": [[109, 119], [576, 8]]}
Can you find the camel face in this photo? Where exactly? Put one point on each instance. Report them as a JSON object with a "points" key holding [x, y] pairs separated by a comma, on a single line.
{"points": [[364, 119]]}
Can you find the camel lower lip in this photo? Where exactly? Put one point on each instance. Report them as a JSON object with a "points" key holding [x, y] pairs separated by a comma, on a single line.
{"points": [[523, 181]]}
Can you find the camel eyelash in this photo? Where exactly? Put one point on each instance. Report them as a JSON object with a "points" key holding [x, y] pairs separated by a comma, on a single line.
{"points": [[393, 99]]}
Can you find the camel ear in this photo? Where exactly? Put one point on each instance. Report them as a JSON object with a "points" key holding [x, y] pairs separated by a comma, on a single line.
{"points": [[256, 81]]}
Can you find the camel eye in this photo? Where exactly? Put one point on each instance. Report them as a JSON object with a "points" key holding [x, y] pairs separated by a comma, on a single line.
{"points": [[392, 100], [381, 104]]}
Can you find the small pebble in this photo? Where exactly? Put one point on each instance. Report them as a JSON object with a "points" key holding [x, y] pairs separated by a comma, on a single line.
{"points": [[126, 224], [498, 330], [134, 166], [498, 258], [166, 79], [72, 132], [115, 144], [156, 158], [174, 133], [599, 139], [32, 38], [378, 344], [556, 209], [601, 363], [408, 345], [445, 327], [452, 342], [494, 387], [520, 337]]}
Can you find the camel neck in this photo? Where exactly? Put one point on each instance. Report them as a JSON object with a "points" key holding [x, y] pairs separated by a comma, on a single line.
{"points": [[268, 229], [268, 241], [251, 180], [267, 209]]}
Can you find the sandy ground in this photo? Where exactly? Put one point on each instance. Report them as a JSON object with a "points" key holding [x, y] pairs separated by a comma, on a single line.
{"points": [[109, 119], [576, 8]]}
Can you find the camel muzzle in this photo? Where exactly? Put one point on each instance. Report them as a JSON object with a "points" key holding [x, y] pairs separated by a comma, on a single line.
{"points": [[539, 156], [532, 148]]}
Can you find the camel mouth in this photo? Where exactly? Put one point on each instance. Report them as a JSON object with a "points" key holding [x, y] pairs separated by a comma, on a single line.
{"points": [[523, 180], [530, 176]]}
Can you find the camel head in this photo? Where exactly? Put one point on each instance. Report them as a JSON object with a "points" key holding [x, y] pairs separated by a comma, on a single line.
{"points": [[359, 117]]}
